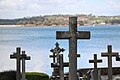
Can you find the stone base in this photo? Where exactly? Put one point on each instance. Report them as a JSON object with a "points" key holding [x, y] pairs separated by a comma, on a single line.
{"points": [[23, 79]]}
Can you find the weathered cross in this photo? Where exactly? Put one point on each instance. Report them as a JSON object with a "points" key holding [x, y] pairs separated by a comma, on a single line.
{"points": [[17, 57], [56, 51], [24, 57], [73, 35], [109, 54], [95, 61], [61, 69]]}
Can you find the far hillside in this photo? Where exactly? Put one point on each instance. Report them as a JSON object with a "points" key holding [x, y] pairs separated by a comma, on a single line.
{"points": [[62, 20]]}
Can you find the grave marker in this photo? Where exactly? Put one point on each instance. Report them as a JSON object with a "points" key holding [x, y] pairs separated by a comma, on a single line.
{"points": [[56, 52], [109, 54], [17, 57], [24, 57], [95, 61], [73, 35], [56, 60]]}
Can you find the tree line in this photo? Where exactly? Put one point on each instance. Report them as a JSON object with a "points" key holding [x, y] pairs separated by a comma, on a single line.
{"points": [[61, 20]]}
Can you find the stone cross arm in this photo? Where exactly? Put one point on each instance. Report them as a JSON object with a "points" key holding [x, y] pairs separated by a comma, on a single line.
{"points": [[118, 58], [114, 54], [12, 56], [109, 53], [65, 64], [24, 56], [95, 59], [67, 34]]}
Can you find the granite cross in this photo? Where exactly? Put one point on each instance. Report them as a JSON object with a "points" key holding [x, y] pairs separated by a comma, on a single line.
{"points": [[109, 54], [95, 61], [23, 58], [17, 57], [73, 35]]}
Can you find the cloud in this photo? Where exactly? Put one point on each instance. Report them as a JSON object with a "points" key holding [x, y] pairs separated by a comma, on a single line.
{"points": [[114, 4], [11, 4], [22, 8]]}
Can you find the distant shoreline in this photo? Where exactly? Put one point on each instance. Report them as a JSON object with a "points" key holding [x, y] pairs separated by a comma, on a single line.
{"points": [[52, 26], [11, 26]]}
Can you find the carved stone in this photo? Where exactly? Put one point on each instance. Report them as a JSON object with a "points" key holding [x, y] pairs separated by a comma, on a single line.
{"points": [[95, 61], [17, 57], [57, 62], [109, 54], [24, 57], [73, 35]]}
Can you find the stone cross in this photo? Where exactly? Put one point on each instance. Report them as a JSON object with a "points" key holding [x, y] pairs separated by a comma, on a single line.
{"points": [[56, 52], [73, 35], [24, 57], [61, 67], [95, 61], [17, 57], [109, 54]]}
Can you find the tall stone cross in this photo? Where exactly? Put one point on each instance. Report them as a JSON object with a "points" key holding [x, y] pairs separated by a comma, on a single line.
{"points": [[17, 57], [109, 54], [95, 61], [24, 57], [73, 35]]}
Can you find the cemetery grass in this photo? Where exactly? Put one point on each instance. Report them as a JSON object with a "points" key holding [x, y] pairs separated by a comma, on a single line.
{"points": [[11, 75]]}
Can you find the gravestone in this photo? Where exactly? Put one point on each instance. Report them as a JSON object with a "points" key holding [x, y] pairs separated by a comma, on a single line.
{"points": [[56, 51], [56, 59], [17, 57], [23, 58], [109, 54], [95, 61], [73, 35], [61, 67]]}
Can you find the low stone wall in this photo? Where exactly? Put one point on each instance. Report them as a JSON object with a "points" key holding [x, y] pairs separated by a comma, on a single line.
{"points": [[115, 77]]}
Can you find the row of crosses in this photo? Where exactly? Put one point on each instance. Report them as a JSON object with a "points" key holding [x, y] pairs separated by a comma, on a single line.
{"points": [[18, 56], [108, 54], [72, 35]]}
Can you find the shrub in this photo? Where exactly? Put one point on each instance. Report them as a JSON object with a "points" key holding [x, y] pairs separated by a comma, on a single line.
{"points": [[8, 75], [11, 75], [36, 76]]}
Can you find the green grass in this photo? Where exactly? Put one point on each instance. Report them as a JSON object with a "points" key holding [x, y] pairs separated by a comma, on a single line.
{"points": [[11, 75]]}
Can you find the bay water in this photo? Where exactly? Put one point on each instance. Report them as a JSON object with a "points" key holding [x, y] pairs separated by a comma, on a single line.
{"points": [[37, 42]]}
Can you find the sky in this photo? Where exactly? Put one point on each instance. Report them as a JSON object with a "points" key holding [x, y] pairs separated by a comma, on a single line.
{"points": [[27, 8]]}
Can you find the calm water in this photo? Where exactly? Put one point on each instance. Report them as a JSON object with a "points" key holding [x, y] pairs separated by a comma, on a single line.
{"points": [[37, 42]]}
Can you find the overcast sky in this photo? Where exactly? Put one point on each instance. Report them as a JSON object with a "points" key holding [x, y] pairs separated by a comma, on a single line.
{"points": [[26, 8]]}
